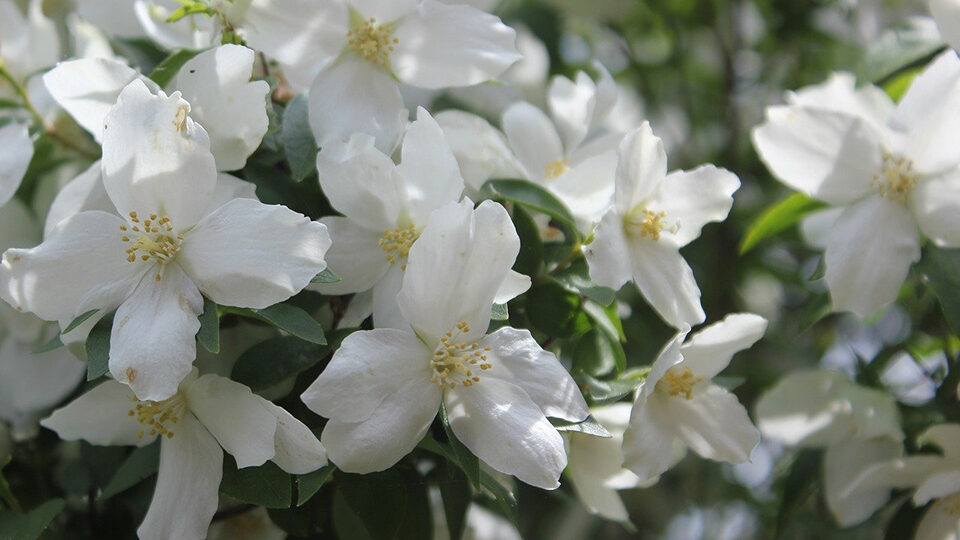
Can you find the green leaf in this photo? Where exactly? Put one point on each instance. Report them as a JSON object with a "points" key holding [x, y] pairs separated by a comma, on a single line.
{"points": [[29, 526], [780, 216], [209, 334], [168, 69], [55, 342], [596, 354], [190, 7], [534, 197], [554, 311], [499, 312], [327, 276], [611, 390], [820, 271], [98, 349], [576, 278], [941, 268], [266, 485], [897, 85], [141, 464], [347, 523], [378, 501], [298, 143], [590, 426], [465, 458], [52, 345], [456, 495], [417, 523], [309, 484], [293, 320], [78, 321], [275, 360], [799, 485], [530, 258]]}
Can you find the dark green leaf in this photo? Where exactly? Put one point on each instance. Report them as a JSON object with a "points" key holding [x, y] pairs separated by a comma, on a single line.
{"points": [[209, 334], [589, 427], [276, 360], [417, 521], [79, 320], [499, 312], [786, 213], [799, 485], [596, 354], [554, 311], [53, 344], [29, 526], [98, 350], [378, 500], [168, 69], [576, 278], [308, 484], [456, 495], [505, 498], [347, 523], [266, 485], [465, 458], [530, 258], [534, 197], [327, 276], [141, 464], [941, 267], [295, 321], [298, 142]]}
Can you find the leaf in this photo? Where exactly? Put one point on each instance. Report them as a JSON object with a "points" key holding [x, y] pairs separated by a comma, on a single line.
{"points": [[611, 390], [141, 464], [897, 85], [590, 426], [534, 197], [98, 349], [308, 484], [554, 311], [820, 271], [266, 485], [940, 268], [377, 499], [327, 276], [417, 522], [607, 319], [799, 485], [275, 360], [168, 69], [190, 8], [530, 257], [456, 495], [55, 342], [293, 320], [780, 216], [576, 278], [52, 345], [468, 462], [29, 526], [499, 312], [298, 143], [596, 354], [347, 523], [78, 321], [209, 334]]}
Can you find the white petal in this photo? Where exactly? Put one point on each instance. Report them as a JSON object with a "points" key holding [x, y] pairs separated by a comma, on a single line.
{"points": [[88, 88], [113, 16], [669, 356], [391, 432], [354, 96], [947, 15], [429, 169], [648, 444], [386, 310], [843, 463], [228, 188], [15, 158], [499, 423], [385, 12], [456, 268], [666, 281], [641, 167], [250, 254], [935, 204], [35, 382], [869, 253], [298, 451], [83, 193], [938, 485], [694, 198], [226, 102], [927, 112], [945, 436], [185, 499], [579, 106], [708, 352], [513, 286], [518, 359], [587, 188], [481, 150], [152, 342], [817, 226], [368, 367], [938, 523], [840, 94], [355, 256], [824, 154], [27, 44], [100, 416], [451, 45], [714, 424], [192, 32], [533, 138], [156, 160], [608, 256], [81, 266]]}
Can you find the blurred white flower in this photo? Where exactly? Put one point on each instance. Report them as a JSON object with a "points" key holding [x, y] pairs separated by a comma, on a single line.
{"points": [[947, 15]]}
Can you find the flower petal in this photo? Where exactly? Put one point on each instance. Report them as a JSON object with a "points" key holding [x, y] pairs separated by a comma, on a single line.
{"points": [[250, 254], [518, 359], [947, 15], [587, 188], [843, 463], [481, 150], [938, 523], [817, 226], [355, 256], [385, 12], [451, 45], [82, 194], [368, 367], [580, 106], [228, 188], [15, 158], [708, 352], [155, 158], [391, 432], [35, 382], [100, 416], [185, 499], [938, 485], [608, 256], [298, 451], [81, 266], [714, 424], [641, 167], [926, 113], [934, 203], [666, 281], [533, 138], [429, 169], [386, 310], [235, 416], [152, 343], [869, 253], [648, 444], [840, 94], [691, 199], [499, 423], [945, 436], [513, 286], [354, 96]]}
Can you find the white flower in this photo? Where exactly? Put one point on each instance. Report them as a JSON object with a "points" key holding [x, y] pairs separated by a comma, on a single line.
{"points": [[653, 216], [947, 15], [206, 413], [678, 400], [893, 170], [27, 43], [153, 263], [15, 156], [383, 387], [482, 150], [596, 464]]}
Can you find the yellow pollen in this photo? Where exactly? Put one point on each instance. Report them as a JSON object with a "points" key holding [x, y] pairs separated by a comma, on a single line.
{"points": [[396, 244], [648, 223], [158, 416], [371, 41], [455, 362], [896, 178], [680, 382], [557, 168], [180, 119], [157, 240]]}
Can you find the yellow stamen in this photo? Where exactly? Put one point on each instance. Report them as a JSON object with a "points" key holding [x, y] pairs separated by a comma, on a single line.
{"points": [[396, 244], [896, 177], [557, 168], [454, 361], [679, 382], [159, 416], [157, 240], [371, 41], [647, 223]]}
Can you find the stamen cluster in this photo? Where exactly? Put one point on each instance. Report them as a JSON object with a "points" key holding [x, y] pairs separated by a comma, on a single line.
{"points": [[373, 42], [157, 239], [453, 362]]}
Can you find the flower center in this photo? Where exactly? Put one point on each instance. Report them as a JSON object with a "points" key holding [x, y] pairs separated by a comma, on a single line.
{"points": [[648, 224], [152, 238], [373, 42], [896, 178], [557, 168], [454, 363], [396, 244], [677, 382], [951, 505], [159, 416]]}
